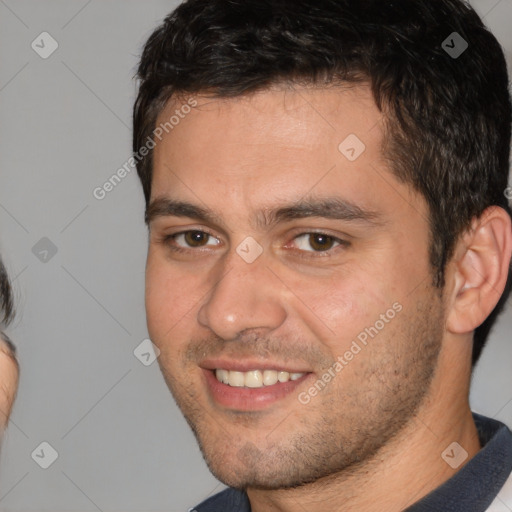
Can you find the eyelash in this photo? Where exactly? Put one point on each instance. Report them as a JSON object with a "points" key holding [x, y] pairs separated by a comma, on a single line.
{"points": [[169, 240]]}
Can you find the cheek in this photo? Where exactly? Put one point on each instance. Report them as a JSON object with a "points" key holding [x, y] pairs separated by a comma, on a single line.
{"points": [[346, 306], [166, 316], [353, 295], [336, 307], [167, 301]]}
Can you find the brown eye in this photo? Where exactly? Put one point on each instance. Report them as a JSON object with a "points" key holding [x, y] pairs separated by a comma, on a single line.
{"points": [[316, 242], [196, 238], [320, 242], [193, 239]]}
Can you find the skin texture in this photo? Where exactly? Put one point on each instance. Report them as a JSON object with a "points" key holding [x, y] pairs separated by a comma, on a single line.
{"points": [[372, 438], [9, 375]]}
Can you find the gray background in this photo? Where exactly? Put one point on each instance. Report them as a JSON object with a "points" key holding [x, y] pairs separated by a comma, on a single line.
{"points": [[65, 129]]}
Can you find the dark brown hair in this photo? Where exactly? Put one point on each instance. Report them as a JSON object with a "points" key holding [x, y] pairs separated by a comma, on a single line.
{"points": [[448, 116]]}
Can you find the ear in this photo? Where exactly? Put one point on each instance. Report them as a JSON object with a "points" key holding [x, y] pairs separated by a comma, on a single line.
{"points": [[479, 270]]}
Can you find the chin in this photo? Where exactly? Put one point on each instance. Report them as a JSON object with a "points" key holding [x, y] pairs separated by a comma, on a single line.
{"points": [[248, 466]]}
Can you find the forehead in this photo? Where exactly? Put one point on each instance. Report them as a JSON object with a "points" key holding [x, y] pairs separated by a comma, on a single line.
{"points": [[289, 116], [276, 145], [282, 124]]}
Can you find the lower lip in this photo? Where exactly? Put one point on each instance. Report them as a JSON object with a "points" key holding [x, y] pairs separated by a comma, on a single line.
{"points": [[249, 399]]}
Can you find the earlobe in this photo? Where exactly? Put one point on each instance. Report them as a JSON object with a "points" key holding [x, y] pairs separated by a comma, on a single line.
{"points": [[480, 269]]}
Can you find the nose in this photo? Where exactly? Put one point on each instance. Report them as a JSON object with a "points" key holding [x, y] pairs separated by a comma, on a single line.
{"points": [[246, 297]]}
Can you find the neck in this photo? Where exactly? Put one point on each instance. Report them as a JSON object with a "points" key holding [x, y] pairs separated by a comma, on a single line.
{"points": [[406, 469]]}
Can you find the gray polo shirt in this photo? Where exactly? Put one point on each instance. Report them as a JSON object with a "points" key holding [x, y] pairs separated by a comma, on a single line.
{"points": [[475, 488]]}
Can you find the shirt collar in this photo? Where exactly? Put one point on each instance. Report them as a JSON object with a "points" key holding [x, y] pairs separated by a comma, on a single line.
{"points": [[471, 489], [475, 485]]}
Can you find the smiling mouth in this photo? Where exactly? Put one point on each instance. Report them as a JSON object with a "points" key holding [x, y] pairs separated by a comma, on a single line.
{"points": [[255, 378]]}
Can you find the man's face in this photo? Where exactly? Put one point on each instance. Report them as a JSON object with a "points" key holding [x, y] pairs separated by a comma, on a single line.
{"points": [[277, 254]]}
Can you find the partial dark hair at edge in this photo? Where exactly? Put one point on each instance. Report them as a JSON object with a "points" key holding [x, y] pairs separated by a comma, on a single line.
{"points": [[6, 299], [448, 120]]}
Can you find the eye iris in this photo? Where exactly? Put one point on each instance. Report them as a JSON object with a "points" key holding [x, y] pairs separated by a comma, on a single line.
{"points": [[320, 242], [196, 238]]}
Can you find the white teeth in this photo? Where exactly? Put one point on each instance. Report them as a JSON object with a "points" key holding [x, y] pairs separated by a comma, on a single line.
{"points": [[236, 379], [254, 378], [283, 376], [222, 376], [269, 377]]}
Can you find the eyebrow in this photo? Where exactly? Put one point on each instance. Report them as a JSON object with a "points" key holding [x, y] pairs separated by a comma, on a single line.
{"points": [[329, 208]]}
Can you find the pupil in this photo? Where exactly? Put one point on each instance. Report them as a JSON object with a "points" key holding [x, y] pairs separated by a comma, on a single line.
{"points": [[321, 242], [196, 237]]}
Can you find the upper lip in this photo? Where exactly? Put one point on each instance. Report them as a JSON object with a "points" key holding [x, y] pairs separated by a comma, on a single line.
{"points": [[246, 365]]}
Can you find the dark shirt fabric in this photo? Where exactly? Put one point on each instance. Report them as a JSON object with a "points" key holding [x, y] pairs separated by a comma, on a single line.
{"points": [[472, 489]]}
